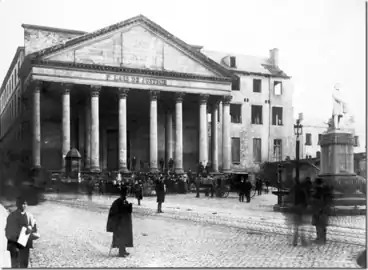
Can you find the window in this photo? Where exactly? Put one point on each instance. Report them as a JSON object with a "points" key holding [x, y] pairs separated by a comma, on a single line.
{"points": [[277, 88], [235, 84], [257, 85], [16, 74], [308, 139], [235, 150], [277, 149], [232, 62], [356, 141], [257, 150], [319, 138], [235, 113], [256, 112], [277, 116]]}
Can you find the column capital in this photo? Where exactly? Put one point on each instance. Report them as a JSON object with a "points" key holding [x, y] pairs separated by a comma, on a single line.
{"points": [[95, 90], [203, 98], [38, 86], [154, 94], [123, 92], [66, 87], [226, 100], [179, 96]]}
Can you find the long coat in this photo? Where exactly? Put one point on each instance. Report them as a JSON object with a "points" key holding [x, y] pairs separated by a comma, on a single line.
{"points": [[119, 222], [160, 191]]}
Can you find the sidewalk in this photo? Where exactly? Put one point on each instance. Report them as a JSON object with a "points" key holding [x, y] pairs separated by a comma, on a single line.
{"points": [[5, 261]]}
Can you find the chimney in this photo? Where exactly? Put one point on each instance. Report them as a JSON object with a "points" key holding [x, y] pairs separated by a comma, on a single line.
{"points": [[274, 57]]}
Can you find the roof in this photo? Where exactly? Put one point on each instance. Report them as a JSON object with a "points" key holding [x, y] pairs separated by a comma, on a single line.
{"points": [[53, 29], [138, 19], [247, 64], [10, 69]]}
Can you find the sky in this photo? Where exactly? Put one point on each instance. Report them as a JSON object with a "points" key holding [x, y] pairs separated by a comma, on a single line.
{"points": [[321, 42]]}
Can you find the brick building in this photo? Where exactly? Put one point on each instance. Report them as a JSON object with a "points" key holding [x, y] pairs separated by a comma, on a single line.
{"points": [[134, 90]]}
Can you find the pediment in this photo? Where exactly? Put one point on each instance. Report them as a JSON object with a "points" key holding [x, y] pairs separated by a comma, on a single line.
{"points": [[135, 46]]}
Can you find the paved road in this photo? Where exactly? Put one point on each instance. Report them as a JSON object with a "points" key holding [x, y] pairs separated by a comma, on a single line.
{"points": [[74, 236]]}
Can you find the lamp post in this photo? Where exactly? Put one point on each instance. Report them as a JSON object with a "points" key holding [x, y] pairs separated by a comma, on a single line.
{"points": [[279, 180], [298, 129]]}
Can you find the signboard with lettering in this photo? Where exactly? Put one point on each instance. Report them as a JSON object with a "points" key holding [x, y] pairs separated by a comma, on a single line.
{"points": [[136, 80]]}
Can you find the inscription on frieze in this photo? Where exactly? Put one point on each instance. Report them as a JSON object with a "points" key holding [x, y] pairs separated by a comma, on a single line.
{"points": [[136, 80]]}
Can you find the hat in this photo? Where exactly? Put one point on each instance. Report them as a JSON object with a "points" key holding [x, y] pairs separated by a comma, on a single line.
{"points": [[21, 200]]}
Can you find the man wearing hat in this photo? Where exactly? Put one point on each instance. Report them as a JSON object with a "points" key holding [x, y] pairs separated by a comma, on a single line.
{"points": [[17, 221], [119, 222]]}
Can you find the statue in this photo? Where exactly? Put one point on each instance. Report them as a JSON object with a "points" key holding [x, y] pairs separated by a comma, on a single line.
{"points": [[339, 106]]}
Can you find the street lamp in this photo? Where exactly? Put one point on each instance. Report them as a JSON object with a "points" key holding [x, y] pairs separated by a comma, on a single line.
{"points": [[280, 167], [298, 130]]}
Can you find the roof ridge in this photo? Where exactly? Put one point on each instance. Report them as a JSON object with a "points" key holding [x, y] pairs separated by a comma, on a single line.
{"points": [[54, 29]]}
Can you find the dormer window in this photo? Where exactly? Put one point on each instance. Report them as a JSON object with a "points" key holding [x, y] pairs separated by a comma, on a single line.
{"points": [[232, 62]]}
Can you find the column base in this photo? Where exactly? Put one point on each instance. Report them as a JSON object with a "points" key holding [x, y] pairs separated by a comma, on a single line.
{"points": [[154, 170], [179, 171], [95, 169], [226, 171]]}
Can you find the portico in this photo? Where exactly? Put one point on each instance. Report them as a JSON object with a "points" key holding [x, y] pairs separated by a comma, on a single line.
{"points": [[149, 100]]}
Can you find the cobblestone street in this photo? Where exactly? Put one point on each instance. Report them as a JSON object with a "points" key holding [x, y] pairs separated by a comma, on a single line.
{"points": [[73, 235]]}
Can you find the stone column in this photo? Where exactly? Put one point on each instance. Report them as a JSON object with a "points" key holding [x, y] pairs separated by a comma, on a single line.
{"points": [[226, 141], [203, 132], [65, 122], [179, 133], [169, 137], [36, 114], [95, 129], [153, 131], [214, 136], [88, 131], [123, 130]]}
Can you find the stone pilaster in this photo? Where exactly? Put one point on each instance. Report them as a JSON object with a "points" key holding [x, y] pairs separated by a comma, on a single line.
{"points": [[214, 136], [123, 93], [95, 129], [88, 131], [153, 131], [226, 141], [179, 133], [36, 115], [203, 131], [65, 144]]}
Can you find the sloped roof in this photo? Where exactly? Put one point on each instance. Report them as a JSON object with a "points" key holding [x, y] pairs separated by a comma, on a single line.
{"points": [[138, 19], [247, 63]]}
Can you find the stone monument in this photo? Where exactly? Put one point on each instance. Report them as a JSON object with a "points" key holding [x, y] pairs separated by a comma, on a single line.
{"points": [[337, 159]]}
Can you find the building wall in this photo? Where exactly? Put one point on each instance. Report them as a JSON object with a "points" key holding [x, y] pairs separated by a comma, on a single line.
{"points": [[312, 149], [246, 131]]}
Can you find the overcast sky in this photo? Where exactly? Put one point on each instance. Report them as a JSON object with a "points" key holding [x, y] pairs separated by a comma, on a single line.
{"points": [[321, 42]]}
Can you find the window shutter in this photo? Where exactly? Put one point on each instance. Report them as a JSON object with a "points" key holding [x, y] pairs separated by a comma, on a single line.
{"points": [[308, 139]]}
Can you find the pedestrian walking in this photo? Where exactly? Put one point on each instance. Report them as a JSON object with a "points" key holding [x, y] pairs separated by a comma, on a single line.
{"points": [[259, 186], [20, 223], [242, 189], [322, 202], [267, 183], [119, 222], [160, 193], [299, 196], [138, 190], [247, 189], [197, 184]]}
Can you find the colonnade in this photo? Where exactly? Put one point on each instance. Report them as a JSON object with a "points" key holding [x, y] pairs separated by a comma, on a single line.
{"points": [[93, 137]]}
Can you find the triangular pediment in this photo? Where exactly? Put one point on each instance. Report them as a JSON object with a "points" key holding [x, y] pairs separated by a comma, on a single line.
{"points": [[137, 45]]}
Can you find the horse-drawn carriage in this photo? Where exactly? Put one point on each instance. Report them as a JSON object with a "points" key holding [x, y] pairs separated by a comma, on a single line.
{"points": [[216, 183]]}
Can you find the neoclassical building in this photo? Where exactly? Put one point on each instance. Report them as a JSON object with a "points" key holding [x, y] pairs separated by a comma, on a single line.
{"points": [[134, 90]]}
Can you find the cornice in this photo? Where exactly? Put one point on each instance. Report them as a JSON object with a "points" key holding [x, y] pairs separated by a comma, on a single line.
{"points": [[129, 70]]}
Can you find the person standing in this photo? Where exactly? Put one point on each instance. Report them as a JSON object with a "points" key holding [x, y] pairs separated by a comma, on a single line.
{"points": [[160, 193], [119, 222], [138, 189], [242, 189], [198, 184], [259, 186], [17, 220], [267, 183]]}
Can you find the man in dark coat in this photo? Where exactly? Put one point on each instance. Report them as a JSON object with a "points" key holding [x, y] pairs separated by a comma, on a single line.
{"points": [[259, 186], [242, 187], [138, 190], [247, 189], [198, 184], [119, 222], [160, 193], [171, 164], [322, 202]]}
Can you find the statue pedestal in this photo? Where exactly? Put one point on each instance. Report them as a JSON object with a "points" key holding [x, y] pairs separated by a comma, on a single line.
{"points": [[337, 169]]}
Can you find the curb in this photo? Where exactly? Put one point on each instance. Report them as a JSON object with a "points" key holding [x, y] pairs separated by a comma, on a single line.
{"points": [[5, 260]]}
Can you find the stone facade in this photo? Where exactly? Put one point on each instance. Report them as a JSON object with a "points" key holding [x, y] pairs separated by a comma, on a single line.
{"points": [[72, 84]]}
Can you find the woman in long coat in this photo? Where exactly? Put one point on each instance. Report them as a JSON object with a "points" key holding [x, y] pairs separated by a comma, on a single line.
{"points": [[119, 222], [160, 193]]}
